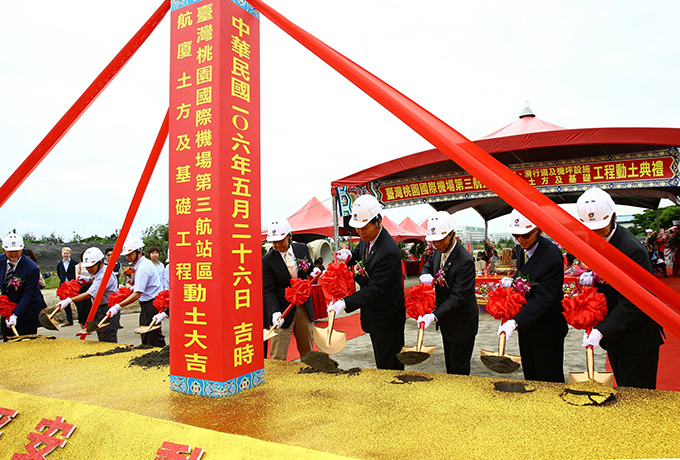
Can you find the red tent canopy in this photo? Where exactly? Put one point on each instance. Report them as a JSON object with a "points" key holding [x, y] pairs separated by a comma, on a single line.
{"points": [[312, 221], [392, 228], [411, 231]]}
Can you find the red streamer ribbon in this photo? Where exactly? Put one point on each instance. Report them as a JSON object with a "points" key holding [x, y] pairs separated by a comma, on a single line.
{"points": [[162, 301], [505, 303], [421, 300], [299, 291], [68, 289], [6, 307], [585, 310]]}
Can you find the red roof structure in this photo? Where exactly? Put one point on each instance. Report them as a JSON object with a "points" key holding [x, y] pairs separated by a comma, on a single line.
{"points": [[411, 231]]}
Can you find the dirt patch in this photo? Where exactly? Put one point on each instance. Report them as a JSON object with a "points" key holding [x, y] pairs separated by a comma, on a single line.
{"points": [[321, 362], [408, 378], [589, 393], [157, 358], [114, 351], [22, 338], [513, 387]]}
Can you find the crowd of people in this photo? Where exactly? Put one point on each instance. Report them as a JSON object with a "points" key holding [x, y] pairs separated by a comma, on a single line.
{"points": [[630, 337], [22, 282]]}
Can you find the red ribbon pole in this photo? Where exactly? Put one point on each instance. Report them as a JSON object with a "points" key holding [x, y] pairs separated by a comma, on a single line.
{"points": [[76, 111], [606, 260], [132, 212]]}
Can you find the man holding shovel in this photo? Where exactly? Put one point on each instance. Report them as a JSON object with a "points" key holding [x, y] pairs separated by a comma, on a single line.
{"points": [[20, 284], [631, 338], [287, 261], [452, 270], [381, 297], [542, 327]]}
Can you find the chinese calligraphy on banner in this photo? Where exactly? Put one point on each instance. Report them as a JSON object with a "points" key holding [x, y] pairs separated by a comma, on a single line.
{"points": [[658, 168], [216, 288]]}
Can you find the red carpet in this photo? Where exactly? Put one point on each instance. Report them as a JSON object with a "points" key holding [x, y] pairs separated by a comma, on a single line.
{"points": [[668, 376], [351, 325]]}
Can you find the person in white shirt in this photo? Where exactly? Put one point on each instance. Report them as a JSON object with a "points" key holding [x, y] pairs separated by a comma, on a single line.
{"points": [[94, 263], [146, 288]]}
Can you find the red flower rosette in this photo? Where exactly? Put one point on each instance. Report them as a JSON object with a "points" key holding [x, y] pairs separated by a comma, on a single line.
{"points": [[585, 310], [505, 303], [336, 281], [68, 289], [117, 297], [6, 307], [421, 300], [299, 291], [162, 300]]}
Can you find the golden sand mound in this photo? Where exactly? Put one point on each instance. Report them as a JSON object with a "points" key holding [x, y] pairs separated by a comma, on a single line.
{"points": [[368, 414]]}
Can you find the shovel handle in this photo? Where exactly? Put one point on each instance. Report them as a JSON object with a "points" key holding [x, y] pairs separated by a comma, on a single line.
{"points": [[501, 344], [419, 341], [14, 329], [54, 312], [590, 362]]}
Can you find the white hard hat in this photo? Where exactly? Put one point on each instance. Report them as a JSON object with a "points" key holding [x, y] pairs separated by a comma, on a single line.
{"points": [[133, 243], [595, 208], [519, 225], [364, 209], [12, 242], [91, 256], [439, 226], [278, 230]]}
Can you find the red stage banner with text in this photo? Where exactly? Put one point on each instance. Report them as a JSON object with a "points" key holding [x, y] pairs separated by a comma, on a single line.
{"points": [[216, 344], [656, 168]]}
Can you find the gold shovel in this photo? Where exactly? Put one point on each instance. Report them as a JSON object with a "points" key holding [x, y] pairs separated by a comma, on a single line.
{"points": [[500, 362], [273, 331], [93, 325], [151, 327], [417, 354], [328, 340], [605, 378], [46, 320]]}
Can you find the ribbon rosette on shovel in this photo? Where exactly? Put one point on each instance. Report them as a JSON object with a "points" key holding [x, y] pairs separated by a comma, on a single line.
{"points": [[585, 311], [296, 294], [504, 304], [337, 283], [68, 289], [6, 310], [122, 294], [420, 303]]}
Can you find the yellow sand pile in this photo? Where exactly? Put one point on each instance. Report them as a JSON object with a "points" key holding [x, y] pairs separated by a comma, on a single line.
{"points": [[373, 414]]}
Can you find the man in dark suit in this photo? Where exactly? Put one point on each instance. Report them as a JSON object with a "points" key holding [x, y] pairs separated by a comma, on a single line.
{"points": [[541, 324], [287, 261], [381, 297], [456, 312], [20, 284], [66, 271], [631, 338]]}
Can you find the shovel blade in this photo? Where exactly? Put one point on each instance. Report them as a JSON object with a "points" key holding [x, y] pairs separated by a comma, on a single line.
{"points": [[502, 364], [329, 341], [270, 333], [144, 329], [47, 322], [605, 378]]}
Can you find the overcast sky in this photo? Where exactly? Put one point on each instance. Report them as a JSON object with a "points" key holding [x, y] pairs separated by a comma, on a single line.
{"points": [[581, 64]]}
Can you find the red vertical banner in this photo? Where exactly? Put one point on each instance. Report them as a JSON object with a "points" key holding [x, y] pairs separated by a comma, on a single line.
{"points": [[216, 344]]}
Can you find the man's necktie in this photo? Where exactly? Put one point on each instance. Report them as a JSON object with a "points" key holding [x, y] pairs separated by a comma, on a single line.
{"points": [[526, 257], [290, 265], [8, 275], [443, 261]]}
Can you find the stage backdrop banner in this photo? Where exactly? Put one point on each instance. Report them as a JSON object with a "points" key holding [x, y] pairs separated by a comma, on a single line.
{"points": [[656, 168], [216, 271]]}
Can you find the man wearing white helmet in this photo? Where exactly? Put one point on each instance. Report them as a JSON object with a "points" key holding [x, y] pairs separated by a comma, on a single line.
{"points": [[541, 324], [95, 264], [146, 288], [20, 277], [381, 297], [456, 311], [631, 338], [279, 267]]}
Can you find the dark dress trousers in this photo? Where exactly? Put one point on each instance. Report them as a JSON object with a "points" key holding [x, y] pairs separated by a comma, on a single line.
{"points": [[541, 324], [631, 338], [381, 299], [456, 307], [275, 280], [27, 296]]}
